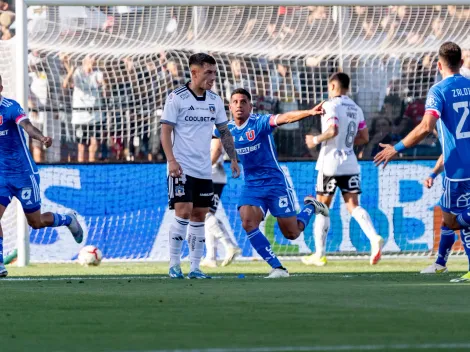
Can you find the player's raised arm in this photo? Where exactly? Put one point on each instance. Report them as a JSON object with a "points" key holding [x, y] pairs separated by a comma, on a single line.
{"points": [[34, 133], [438, 168], [294, 116]]}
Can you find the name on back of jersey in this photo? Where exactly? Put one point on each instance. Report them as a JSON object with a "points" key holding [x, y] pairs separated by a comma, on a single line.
{"points": [[460, 92]]}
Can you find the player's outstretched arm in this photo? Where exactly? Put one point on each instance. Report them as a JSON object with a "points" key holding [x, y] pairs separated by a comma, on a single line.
{"points": [[438, 168], [174, 169], [227, 141], [294, 116], [34, 133], [414, 137]]}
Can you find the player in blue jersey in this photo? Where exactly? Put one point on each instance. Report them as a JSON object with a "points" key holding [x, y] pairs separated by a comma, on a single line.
{"points": [[447, 106], [19, 176], [266, 186]]}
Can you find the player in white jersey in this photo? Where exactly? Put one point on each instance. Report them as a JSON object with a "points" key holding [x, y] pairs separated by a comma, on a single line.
{"points": [[215, 229], [343, 126], [188, 120]]}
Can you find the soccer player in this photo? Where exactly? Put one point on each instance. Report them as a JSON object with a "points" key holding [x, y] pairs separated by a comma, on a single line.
{"points": [[343, 126], [447, 239], [266, 186], [19, 176], [188, 119], [447, 106], [215, 229]]}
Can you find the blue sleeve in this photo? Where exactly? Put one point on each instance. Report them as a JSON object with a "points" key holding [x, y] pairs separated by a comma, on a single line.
{"points": [[16, 113], [434, 102], [264, 123]]}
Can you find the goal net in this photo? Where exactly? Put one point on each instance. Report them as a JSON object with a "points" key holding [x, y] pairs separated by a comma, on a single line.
{"points": [[99, 77]]}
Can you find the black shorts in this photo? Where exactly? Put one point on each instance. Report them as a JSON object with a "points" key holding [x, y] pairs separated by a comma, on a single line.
{"points": [[326, 185], [191, 190], [218, 188]]}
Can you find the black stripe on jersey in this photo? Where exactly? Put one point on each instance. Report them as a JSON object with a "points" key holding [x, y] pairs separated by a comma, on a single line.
{"points": [[203, 98], [180, 90]]}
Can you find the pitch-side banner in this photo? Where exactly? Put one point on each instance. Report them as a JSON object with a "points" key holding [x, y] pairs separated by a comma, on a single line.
{"points": [[123, 209]]}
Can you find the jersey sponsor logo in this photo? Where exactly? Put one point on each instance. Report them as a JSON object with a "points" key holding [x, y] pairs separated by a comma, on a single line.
{"points": [[179, 191], [250, 135], [4, 133], [283, 202], [26, 193], [199, 118], [249, 149], [206, 194], [212, 108]]}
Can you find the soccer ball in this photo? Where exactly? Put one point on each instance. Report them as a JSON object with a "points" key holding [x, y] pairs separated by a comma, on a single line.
{"points": [[90, 255]]}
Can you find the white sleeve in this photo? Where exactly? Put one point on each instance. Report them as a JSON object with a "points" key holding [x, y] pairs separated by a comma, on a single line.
{"points": [[171, 110], [221, 118], [330, 117]]}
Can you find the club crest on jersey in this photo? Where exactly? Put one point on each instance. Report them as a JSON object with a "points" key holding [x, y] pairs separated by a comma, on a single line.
{"points": [[212, 108], [26, 193], [250, 135], [283, 202]]}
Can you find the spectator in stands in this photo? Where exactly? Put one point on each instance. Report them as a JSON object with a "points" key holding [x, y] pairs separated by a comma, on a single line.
{"points": [[393, 106], [66, 70], [88, 111], [37, 104], [381, 132], [6, 20], [465, 69]]}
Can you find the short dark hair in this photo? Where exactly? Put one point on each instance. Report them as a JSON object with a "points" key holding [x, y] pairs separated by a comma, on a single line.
{"points": [[241, 91], [342, 78], [451, 55], [200, 59]]}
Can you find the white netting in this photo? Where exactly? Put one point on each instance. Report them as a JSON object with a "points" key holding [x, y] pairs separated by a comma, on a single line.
{"points": [[99, 77]]}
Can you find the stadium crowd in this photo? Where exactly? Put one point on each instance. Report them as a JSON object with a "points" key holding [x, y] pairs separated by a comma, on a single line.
{"points": [[108, 109]]}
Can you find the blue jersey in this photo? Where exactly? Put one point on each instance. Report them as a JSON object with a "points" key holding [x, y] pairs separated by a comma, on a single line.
{"points": [[449, 101], [257, 152], [15, 157]]}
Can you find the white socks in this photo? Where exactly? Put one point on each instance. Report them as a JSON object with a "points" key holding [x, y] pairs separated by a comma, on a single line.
{"points": [[363, 219], [216, 228], [196, 241], [320, 231], [176, 237]]}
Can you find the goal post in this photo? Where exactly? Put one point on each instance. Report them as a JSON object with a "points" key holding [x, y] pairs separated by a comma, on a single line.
{"points": [[281, 53]]}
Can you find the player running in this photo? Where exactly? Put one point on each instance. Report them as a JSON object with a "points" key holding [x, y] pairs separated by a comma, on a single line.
{"points": [[266, 187], [343, 126], [447, 239], [215, 229], [188, 119], [447, 106], [19, 175]]}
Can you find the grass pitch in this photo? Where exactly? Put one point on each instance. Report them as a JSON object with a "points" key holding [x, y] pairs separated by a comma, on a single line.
{"points": [[345, 306]]}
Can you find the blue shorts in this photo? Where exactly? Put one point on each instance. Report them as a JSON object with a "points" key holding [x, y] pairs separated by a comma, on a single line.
{"points": [[24, 187], [279, 200], [455, 196]]}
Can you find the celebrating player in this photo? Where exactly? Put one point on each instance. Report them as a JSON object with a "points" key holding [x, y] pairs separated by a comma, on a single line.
{"points": [[188, 119], [447, 106], [343, 126], [266, 186], [19, 176], [215, 229], [447, 239]]}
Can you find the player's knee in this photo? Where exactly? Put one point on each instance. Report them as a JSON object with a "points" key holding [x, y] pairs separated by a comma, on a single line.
{"points": [[249, 224], [35, 223], [292, 235]]}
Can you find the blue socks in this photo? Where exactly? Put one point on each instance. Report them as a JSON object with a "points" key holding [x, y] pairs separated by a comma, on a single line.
{"points": [[306, 214], [465, 236], [61, 220], [262, 246], [445, 245], [1, 249]]}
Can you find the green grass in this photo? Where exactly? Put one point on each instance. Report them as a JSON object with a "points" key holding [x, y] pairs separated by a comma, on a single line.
{"points": [[133, 307]]}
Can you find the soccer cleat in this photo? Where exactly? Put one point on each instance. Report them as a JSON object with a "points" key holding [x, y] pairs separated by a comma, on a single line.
{"points": [[75, 227], [175, 272], [232, 253], [209, 263], [313, 259], [376, 250], [434, 268], [277, 273], [3, 270], [320, 208], [464, 278], [198, 274]]}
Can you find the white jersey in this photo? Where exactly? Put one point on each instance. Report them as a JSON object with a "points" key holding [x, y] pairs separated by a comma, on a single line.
{"points": [[337, 155], [193, 119], [218, 172]]}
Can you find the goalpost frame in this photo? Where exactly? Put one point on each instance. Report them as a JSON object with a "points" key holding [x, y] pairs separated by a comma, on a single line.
{"points": [[22, 50]]}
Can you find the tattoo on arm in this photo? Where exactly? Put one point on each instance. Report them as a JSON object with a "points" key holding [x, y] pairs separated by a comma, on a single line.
{"points": [[227, 141]]}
